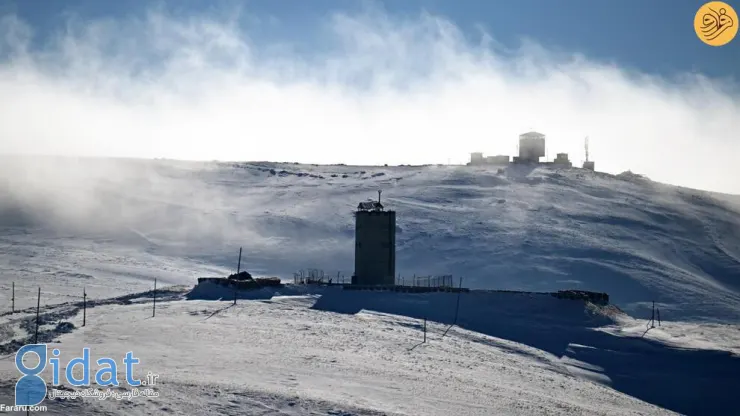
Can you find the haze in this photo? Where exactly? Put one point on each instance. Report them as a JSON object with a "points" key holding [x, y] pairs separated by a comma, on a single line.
{"points": [[380, 90]]}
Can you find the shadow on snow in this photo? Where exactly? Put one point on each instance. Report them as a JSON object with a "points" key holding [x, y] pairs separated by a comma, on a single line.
{"points": [[687, 381]]}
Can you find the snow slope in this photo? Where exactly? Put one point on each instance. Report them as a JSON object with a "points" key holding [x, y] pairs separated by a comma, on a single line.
{"points": [[322, 350], [113, 225]]}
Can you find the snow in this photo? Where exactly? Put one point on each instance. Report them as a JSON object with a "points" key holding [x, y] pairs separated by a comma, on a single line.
{"points": [[358, 363], [687, 335], [112, 227], [530, 229], [303, 349]]}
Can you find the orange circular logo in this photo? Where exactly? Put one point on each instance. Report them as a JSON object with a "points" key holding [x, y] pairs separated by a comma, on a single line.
{"points": [[716, 23]]}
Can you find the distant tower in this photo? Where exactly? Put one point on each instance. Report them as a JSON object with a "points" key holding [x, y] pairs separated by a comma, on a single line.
{"points": [[587, 164], [531, 147], [375, 244], [476, 158]]}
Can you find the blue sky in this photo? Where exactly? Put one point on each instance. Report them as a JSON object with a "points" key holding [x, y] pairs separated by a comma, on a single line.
{"points": [[432, 80], [655, 36]]}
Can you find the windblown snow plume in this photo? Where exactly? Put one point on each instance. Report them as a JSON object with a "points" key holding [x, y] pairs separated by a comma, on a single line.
{"points": [[421, 90]]}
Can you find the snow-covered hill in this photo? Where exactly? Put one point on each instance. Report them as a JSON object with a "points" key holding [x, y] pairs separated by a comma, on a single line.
{"points": [[116, 224], [113, 226]]}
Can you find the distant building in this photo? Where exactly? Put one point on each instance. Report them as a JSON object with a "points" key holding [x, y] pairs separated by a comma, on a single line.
{"points": [[531, 147], [498, 160], [375, 245], [562, 160], [477, 158]]}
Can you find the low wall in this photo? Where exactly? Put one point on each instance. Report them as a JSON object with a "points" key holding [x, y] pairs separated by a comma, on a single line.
{"points": [[593, 297], [405, 289], [241, 284], [256, 284]]}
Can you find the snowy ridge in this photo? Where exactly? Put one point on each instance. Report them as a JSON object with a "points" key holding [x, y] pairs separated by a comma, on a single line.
{"points": [[113, 226], [121, 222]]}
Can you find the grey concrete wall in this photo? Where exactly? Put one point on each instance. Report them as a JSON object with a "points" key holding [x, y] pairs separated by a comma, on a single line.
{"points": [[375, 247], [531, 149]]}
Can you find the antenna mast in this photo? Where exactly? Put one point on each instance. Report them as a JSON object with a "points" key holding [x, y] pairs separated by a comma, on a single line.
{"points": [[379, 191], [586, 146]]}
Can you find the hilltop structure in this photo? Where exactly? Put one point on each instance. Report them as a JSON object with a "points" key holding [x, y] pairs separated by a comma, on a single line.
{"points": [[531, 148], [562, 160], [476, 158]]}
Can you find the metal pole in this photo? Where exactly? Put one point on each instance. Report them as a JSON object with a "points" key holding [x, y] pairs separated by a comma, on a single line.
{"points": [[38, 307], [425, 329], [457, 307], [154, 298], [12, 300], [84, 306], [239, 264]]}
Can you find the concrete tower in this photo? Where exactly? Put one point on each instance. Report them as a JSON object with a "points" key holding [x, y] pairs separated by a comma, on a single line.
{"points": [[531, 147], [375, 244]]}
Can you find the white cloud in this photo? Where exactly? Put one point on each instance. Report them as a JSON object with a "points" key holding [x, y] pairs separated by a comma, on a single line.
{"points": [[384, 90]]}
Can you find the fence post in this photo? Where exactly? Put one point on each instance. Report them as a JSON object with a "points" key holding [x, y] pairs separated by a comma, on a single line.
{"points": [[84, 306], [457, 307], [154, 298], [38, 307], [425, 329]]}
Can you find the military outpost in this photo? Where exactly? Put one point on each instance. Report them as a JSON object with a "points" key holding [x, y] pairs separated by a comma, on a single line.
{"points": [[531, 148]]}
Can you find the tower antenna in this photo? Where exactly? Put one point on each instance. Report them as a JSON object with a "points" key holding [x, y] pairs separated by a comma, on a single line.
{"points": [[586, 146], [379, 192]]}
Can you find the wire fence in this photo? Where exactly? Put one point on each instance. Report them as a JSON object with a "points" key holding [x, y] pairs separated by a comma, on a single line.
{"points": [[41, 316], [319, 276]]}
